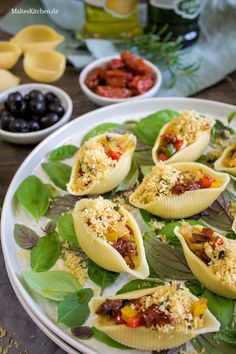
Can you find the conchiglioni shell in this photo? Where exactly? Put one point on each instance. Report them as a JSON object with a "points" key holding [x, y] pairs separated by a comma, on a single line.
{"points": [[145, 338], [8, 80], [202, 272], [37, 37], [188, 203], [9, 54], [120, 171], [190, 153], [44, 66], [219, 166], [101, 252]]}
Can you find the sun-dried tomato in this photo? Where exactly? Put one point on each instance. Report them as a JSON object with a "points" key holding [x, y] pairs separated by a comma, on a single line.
{"points": [[141, 84], [124, 246], [110, 307], [154, 316], [136, 63], [113, 92], [93, 77], [115, 64]]}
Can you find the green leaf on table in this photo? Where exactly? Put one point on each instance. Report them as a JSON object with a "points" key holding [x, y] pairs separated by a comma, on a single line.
{"points": [[227, 336], [45, 254], [103, 338], [221, 307], [66, 230], [34, 196], [58, 172], [131, 179], [195, 287], [61, 205], [73, 310], [25, 237], [149, 127], [138, 284], [99, 129], [208, 344], [101, 276], [166, 261], [146, 169], [231, 117], [54, 285], [52, 190], [62, 152]]}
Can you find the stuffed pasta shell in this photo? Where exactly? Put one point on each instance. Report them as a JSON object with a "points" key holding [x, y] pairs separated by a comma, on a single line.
{"points": [[110, 236], [183, 139], [211, 257], [101, 164], [154, 319], [179, 190], [227, 161]]}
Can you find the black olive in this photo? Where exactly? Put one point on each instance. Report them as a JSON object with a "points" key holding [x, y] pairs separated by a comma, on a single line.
{"points": [[6, 120], [49, 120], [35, 118], [18, 108], [36, 94], [55, 107], [221, 254], [51, 97], [13, 97], [33, 126], [19, 126], [37, 107]]}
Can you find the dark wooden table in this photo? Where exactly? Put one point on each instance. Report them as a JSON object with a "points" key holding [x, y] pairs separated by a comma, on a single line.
{"points": [[29, 338]]}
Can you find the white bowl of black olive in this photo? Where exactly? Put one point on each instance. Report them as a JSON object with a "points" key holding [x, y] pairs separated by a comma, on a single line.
{"points": [[30, 112]]}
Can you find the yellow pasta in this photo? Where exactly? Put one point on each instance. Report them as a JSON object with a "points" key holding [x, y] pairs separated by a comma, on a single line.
{"points": [[9, 54], [8, 80], [227, 161]]}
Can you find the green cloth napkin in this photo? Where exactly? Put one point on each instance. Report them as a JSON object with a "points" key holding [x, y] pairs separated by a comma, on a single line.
{"points": [[215, 50]]}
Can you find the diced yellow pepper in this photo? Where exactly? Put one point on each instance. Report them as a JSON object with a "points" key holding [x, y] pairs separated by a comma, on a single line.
{"points": [[216, 184], [112, 236], [199, 307], [128, 312]]}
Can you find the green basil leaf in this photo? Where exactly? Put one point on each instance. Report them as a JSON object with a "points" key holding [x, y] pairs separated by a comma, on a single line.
{"points": [[131, 179], [61, 205], [62, 152], [52, 190], [34, 196], [45, 254], [166, 261], [146, 169], [73, 310], [227, 335], [66, 230], [101, 276], [54, 285], [149, 127], [138, 284], [221, 307], [231, 235], [58, 172], [99, 129], [25, 237], [102, 337], [49, 227], [195, 287], [231, 116], [143, 158], [208, 344]]}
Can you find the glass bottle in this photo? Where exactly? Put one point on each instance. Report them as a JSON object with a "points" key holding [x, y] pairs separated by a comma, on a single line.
{"points": [[111, 18], [180, 15]]}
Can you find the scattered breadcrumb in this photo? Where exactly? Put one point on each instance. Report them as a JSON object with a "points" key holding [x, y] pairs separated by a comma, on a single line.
{"points": [[157, 225], [75, 263]]}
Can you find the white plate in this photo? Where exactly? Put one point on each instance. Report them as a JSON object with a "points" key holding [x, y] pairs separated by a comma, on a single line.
{"points": [[73, 132]]}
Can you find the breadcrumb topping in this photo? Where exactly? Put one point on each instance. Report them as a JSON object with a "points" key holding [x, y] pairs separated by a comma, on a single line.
{"points": [[74, 263]]}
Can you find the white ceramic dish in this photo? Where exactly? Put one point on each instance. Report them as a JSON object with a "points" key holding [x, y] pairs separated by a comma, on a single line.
{"points": [[115, 113], [35, 137], [103, 101]]}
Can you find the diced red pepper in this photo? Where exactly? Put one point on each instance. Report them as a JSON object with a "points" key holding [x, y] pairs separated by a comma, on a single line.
{"points": [[119, 319], [217, 242], [178, 144], [114, 155], [206, 181], [135, 321], [162, 156]]}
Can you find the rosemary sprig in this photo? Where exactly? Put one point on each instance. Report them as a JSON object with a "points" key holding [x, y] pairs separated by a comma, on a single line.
{"points": [[161, 51]]}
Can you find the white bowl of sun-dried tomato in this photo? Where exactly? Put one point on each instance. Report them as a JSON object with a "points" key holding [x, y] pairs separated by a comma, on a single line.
{"points": [[120, 78]]}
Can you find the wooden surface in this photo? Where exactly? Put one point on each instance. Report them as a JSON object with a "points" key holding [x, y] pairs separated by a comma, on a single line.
{"points": [[13, 317]]}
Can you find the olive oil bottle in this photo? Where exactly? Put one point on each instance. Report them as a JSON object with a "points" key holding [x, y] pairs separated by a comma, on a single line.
{"points": [[111, 18], [180, 15]]}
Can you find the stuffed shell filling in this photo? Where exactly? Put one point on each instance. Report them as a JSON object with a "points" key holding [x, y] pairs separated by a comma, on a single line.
{"points": [[108, 222], [171, 307], [165, 180], [230, 160], [184, 131], [218, 253], [98, 158]]}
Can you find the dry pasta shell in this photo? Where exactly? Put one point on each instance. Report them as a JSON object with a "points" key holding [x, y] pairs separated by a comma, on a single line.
{"points": [[37, 37], [189, 203], [145, 338], [219, 164], [111, 180], [190, 153], [44, 66], [9, 54], [101, 252], [202, 272], [8, 80]]}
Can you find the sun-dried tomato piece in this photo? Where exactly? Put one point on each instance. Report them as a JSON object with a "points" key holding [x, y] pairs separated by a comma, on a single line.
{"points": [[110, 307], [154, 316], [113, 92], [93, 77], [136, 63], [116, 64], [141, 84], [124, 246]]}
